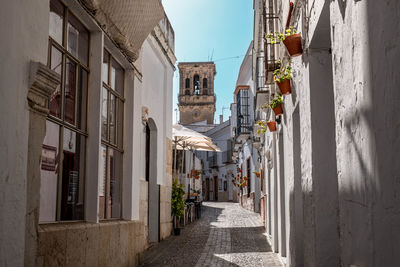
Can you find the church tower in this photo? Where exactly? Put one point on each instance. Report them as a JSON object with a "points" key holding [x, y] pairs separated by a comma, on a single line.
{"points": [[196, 99]]}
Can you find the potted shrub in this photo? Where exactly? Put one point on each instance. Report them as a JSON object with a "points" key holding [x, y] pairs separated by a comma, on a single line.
{"points": [[276, 105], [290, 38], [271, 126], [282, 76], [177, 205]]}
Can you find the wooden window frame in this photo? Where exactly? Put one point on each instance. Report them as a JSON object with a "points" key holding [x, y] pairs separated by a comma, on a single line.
{"points": [[107, 143], [61, 121]]}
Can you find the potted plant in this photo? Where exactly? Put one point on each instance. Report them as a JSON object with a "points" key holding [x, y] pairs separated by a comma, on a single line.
{"points": [[257, 173], [177, 204], [282, 76], [271, 126], [276, 105], [290, 38]]}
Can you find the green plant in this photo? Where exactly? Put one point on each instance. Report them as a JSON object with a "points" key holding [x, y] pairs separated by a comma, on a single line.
{"points": [[263, 127], [278, 100], [280, 36], [284, 72], [177, 202]]}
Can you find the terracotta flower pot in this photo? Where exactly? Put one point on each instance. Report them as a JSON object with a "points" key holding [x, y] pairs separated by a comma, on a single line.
{"points": [[271, 126], [284, 87], [293, 45], [278, 110]]}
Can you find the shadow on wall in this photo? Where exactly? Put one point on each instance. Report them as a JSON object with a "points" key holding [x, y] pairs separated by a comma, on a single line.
{"points": [[370, 191]]}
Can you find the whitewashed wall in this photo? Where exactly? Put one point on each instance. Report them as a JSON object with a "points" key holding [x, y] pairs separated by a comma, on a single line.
{"points": [[24, 38]]}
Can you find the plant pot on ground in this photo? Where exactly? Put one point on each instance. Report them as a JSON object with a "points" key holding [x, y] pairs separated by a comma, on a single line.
{"points": [[271, 126], [177, 231], [290, 38], [282, 76], [177, 203], [276, 105]]}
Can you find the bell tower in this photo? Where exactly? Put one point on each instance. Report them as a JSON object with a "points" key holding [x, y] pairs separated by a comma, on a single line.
{"points": [[196, 98]]}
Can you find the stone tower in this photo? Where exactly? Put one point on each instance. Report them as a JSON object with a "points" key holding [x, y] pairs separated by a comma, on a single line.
{"points": [[196, 99]]}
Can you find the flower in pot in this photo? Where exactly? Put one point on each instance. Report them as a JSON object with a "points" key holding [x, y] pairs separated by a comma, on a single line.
{"points": [[177, 204], [282, 76], [271, 126], [276, 105], [257, 173], [290, 38]]}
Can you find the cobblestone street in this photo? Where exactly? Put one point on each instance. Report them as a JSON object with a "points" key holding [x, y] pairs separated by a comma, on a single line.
{"points": [[226, 235]]}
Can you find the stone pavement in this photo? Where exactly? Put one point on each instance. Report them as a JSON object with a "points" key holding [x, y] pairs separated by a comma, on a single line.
{"points": [[226, 235]]}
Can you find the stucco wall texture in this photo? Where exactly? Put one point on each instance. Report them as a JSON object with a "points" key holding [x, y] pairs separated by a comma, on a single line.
{"points": [[341, 128]]}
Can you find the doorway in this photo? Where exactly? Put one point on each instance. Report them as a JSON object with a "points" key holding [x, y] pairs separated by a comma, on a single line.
{"points": [[216, 188], [153, 211], [207, 191]]}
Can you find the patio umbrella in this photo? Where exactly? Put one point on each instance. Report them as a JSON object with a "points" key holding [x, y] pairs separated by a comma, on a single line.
{"points": [[187, 139]]}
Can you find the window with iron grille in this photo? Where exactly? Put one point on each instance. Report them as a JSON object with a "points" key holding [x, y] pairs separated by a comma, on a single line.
{"points": [[243, 109]]}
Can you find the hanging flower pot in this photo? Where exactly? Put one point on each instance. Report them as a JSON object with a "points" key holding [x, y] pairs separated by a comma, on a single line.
{"points": [[282, 76], [284, 87], [290, 38], [271, 126], [276, 105], [293, 45], [278, 110]]}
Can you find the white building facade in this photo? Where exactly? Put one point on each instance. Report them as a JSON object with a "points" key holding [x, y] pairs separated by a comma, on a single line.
{"points": [[245, 141], [88, 173], [218, 167], [330, 177]]}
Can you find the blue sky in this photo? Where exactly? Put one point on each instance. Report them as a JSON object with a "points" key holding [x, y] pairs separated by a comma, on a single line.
{"points": [[221, 28]]}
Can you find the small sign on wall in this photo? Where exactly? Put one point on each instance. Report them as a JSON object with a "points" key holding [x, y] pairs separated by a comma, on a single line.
{"points": [[49, 158]]}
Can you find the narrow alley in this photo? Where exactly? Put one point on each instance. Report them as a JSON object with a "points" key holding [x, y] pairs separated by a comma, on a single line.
{"points": [[226, 235]]}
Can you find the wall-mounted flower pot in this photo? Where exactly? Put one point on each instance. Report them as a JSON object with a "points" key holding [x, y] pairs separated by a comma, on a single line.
{"points": [[293, 45], [284, 87], [278, 110], [271, 126]]}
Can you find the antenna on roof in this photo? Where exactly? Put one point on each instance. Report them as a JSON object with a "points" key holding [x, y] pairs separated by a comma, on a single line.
{"points": [[212, 54]]}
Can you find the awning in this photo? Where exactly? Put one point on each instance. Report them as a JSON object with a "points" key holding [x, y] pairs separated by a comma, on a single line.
{"points": [[127, 22], [185, 139]]}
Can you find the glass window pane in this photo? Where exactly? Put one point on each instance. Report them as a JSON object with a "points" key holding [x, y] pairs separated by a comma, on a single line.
{"points": [[56, 21], [104, 115], [55, 98], [102, 182], [104, 74], [78, 39], [117, 77], [115, 159], [120, 121], [112, 119], [70, 87], [82, 98], [49, 173], [73, 176]]}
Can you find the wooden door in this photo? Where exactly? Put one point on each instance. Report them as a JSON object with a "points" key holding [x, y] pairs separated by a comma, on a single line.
{"points": [[216, 188], [207, 191]]}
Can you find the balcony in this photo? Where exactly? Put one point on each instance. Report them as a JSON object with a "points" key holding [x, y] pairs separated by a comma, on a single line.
{"points": [[227, 156], [213, 161], [237, 146], [196, 99], [262, 99]]}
